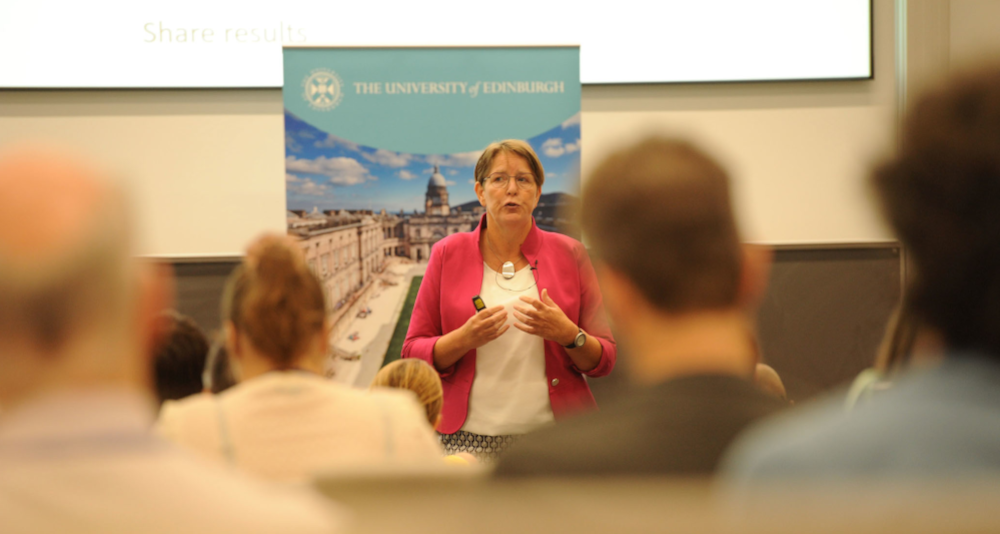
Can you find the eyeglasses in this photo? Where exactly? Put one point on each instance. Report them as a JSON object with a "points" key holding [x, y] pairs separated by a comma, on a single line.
{"points": [[524, 181]]}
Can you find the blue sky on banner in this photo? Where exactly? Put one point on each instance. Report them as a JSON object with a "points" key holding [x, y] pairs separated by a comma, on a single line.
{"points": [[325, 172]]}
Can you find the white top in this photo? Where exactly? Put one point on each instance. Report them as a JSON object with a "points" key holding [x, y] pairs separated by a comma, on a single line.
{"points": [[86, 461], [510, 394], [290, 425]]}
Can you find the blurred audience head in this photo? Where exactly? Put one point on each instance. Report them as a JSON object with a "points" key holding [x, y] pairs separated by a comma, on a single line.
{"points": [[659, 214], [940, 193], [77, 310], [273, 310], [180, 357], [659, 219], [420, 378]]}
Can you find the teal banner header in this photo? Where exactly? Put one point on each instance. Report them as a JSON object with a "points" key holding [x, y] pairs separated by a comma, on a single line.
{"points": [[432, 100], [401, 129]]}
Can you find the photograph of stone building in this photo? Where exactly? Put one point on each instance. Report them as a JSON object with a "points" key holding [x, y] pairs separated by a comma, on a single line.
{"points": [[368, 218], [361, 256], [438, 219]]}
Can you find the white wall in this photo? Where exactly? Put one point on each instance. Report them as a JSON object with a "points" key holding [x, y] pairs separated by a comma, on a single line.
{"points": [[207, 170]]}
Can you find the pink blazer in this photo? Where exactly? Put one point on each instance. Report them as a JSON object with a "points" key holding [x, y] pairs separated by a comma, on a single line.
{"points": [[444, 303]]}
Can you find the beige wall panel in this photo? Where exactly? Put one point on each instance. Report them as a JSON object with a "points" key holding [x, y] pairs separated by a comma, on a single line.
{"points": [[975, 31], [205, 168]]}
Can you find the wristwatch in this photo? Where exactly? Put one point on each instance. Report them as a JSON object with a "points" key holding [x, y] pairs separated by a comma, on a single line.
{"points": [[578, 341]]}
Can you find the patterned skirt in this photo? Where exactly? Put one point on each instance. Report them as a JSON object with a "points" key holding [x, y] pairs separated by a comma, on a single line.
{"points": [[486, 449]]}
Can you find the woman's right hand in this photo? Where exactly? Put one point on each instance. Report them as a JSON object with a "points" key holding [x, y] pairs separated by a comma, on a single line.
{"points": [[483, 327]]}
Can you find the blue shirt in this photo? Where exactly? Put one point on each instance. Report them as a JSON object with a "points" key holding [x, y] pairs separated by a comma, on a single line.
{"points": [[943, 421]]}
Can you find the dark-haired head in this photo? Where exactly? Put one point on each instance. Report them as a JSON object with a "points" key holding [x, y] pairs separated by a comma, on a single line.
{"points": [[180, 357], [940, 194], [274, 303]]}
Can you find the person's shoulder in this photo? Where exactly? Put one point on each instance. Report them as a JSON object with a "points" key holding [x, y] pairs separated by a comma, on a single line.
{"points": [[559, 240], [583, 444], [388, 401], [456, 241], [392, 395], [652, 429], [737, 396], [409, 423], [785, 442], [454, 250], [824, 438], [192, 422], [191, 402], [152, 486], [926, 412], [230, 501], [561, 246], [341, 394], [194, 406], [400, 401]]}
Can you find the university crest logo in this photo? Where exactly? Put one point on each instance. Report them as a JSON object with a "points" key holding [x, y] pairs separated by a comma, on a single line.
{"points": [[323, 89]]}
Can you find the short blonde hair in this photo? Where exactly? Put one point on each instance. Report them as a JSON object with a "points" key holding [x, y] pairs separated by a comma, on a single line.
{"points": [[420, 378], [509, 146]]}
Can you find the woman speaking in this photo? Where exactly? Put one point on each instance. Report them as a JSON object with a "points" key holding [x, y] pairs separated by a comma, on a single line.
{"points": [[518, 362]]}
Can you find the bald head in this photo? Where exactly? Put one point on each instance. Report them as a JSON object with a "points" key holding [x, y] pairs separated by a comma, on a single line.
{"points": [[47, 200], [63, 246]]}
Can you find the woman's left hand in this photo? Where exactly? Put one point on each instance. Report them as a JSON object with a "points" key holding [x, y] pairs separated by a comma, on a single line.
{"points": [[546, 319]]}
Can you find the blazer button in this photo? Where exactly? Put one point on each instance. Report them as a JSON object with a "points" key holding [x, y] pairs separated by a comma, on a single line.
{"points": [[555, 381]]}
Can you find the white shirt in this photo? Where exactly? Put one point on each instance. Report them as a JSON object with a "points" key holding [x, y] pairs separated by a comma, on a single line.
{"points": [[290, 425], [510, 394], [86, 461]]}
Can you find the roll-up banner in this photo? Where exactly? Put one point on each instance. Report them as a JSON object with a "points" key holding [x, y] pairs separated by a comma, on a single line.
{"points": [[380, 147]]}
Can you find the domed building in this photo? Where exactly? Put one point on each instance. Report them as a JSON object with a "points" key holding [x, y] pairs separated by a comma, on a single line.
{"points": [[437, 194], [437, 221]]}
